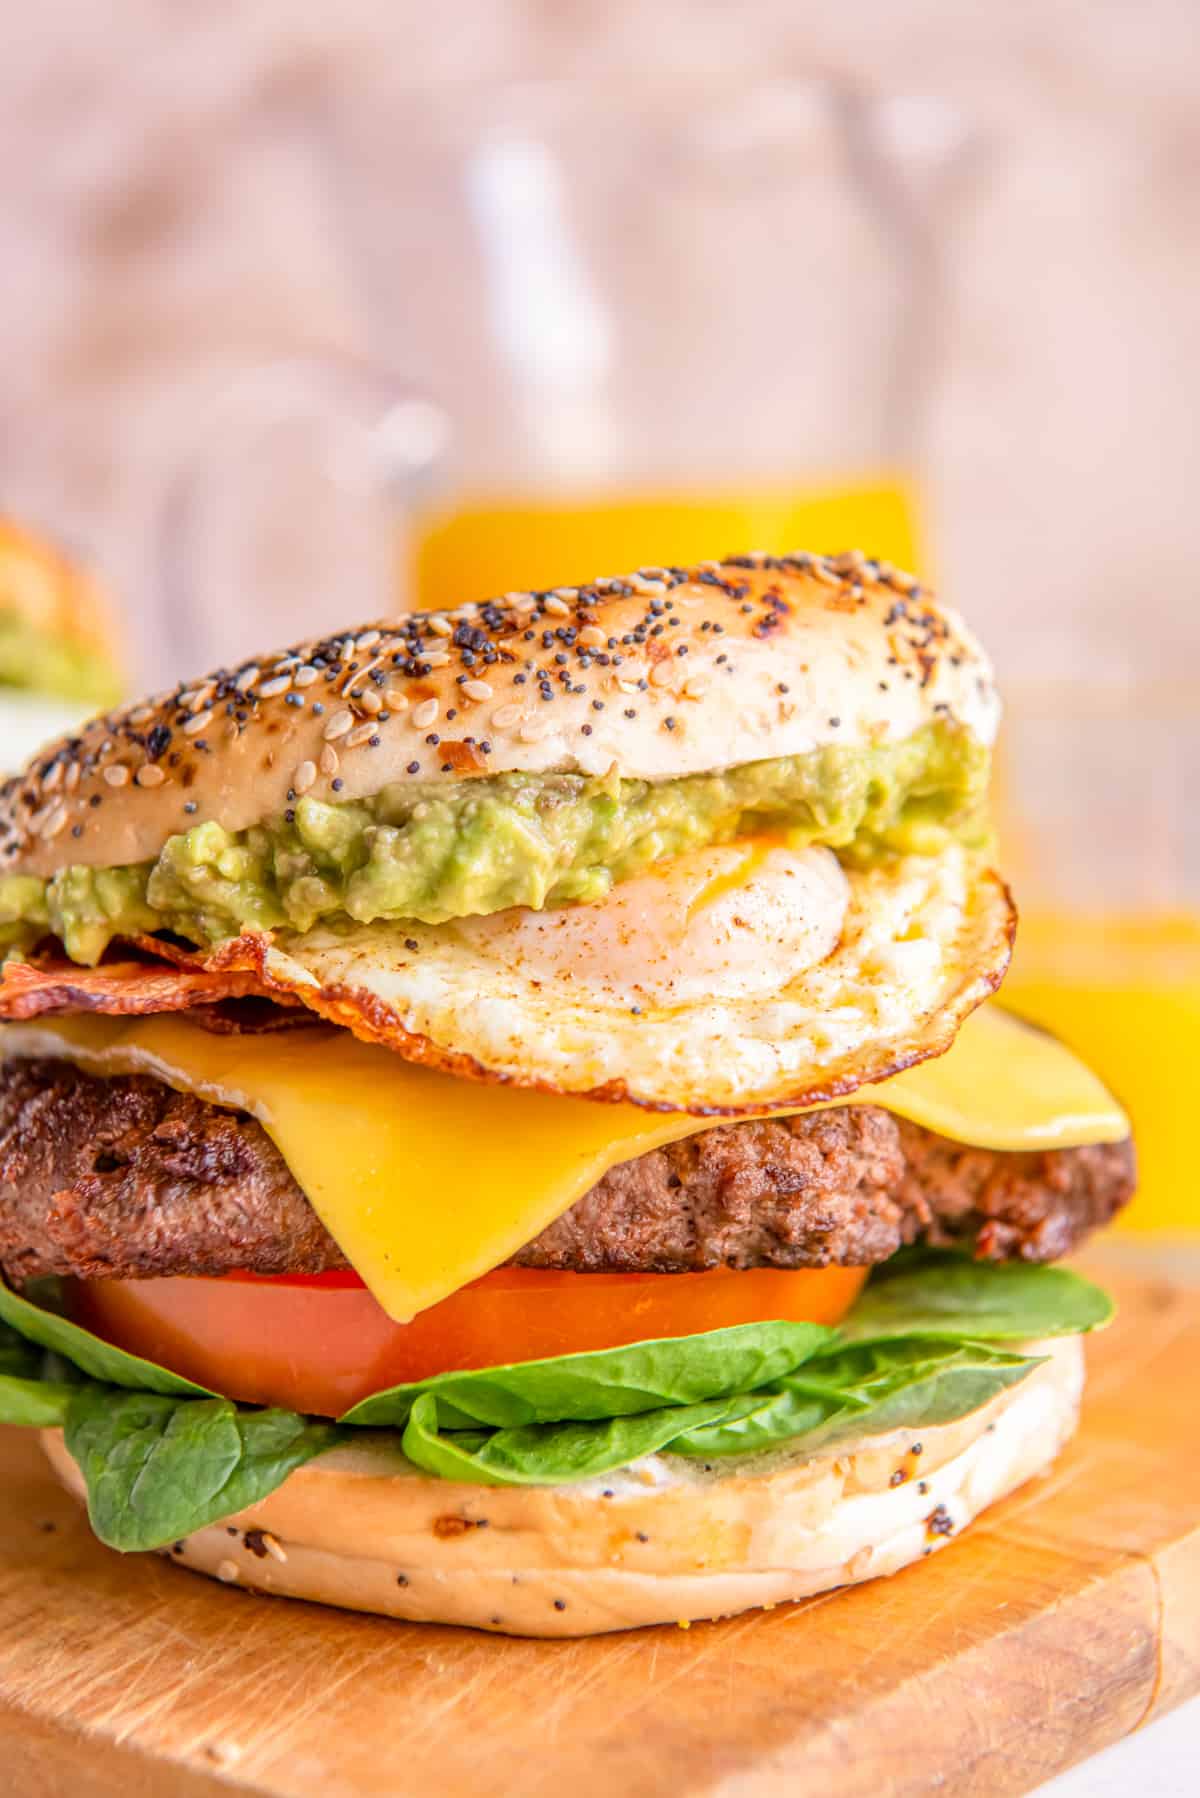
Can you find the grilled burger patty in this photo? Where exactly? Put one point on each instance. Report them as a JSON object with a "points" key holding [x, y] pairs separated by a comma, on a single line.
{"points": [[126, 1177]]}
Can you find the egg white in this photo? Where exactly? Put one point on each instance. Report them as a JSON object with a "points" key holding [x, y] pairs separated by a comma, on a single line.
{"points": [[733, 922], [796, 981]]}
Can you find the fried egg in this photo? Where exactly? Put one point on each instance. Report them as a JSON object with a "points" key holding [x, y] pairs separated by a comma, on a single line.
{"points": [[726, 923], [732, 979]]}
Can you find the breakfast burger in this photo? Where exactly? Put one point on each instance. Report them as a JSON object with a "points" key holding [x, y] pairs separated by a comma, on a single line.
{"points": [[499, 1118]]}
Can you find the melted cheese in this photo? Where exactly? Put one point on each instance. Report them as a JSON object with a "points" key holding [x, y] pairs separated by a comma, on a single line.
{"points": [[426, 1182]]}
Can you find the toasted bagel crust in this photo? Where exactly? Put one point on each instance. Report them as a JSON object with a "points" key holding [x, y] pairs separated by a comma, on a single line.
{"points": [[664, 1541], [658, 674]]}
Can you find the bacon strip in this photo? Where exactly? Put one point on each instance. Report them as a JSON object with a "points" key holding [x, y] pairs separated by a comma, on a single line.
{"points": [[27, 990]]}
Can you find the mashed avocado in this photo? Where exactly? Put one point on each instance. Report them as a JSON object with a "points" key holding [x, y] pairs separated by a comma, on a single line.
{"points": [[433, 853]]}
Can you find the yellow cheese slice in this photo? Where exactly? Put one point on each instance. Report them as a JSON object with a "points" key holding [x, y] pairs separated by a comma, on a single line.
{"points": [[425, 1182]]}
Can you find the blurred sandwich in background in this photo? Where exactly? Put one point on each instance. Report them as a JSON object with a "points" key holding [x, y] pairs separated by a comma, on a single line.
{"points": [[59, 656]]}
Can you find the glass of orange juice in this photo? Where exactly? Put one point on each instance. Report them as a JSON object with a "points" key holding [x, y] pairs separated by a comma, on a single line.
{"points": [[705, 324], [593, 325], [1101, 836]]}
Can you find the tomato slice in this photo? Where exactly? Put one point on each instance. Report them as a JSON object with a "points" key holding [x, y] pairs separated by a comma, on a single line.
{"points": [[320, 1342]]}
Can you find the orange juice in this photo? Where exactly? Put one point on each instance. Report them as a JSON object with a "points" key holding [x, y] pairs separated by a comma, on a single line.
{"points": [[490, 545], [1124, 991]]}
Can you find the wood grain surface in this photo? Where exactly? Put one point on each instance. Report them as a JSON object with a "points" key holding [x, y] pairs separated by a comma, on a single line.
{"points": [[1063, 1620]]}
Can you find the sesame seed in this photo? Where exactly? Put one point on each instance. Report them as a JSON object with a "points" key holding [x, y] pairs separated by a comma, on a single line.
{"points": [[592, 637], [150, 775], [246, 679], [557, 608], [504, 715], [477, 689], [305, 676], [54, 821], [116, 774], [436, 658], [441, 627], [227, 1571], [395, 699], [424, 714], [53, 779], [198, 722], [368, 639], [304, 777], [360, 735], [338, 725], [369, 701], [533, 731], [328, 760], [140, 715], [271, 689]]}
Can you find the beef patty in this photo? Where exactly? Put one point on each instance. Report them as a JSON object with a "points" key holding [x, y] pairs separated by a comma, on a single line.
{"points": [[126, 1177]]}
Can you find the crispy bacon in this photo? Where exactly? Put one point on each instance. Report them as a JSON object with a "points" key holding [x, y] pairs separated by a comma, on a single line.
{"points": [[28, 989]]}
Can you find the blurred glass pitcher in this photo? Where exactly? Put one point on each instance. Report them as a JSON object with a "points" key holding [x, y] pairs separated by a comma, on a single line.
{"points": [[599, 326]]}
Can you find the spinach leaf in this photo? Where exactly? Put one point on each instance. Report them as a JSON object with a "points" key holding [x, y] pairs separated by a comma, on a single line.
{"points": [[860, 1392], [33, 1404], [158, 1467], [547, 1454], [863, 1392], [29, 1397], [950, 1295], [43, 1323], [606, 1383]]}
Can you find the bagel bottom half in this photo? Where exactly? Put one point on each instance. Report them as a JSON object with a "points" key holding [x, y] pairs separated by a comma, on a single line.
{"points": [[667, 1540]]}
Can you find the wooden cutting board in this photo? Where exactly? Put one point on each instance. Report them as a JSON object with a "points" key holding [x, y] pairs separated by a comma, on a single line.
{"points": [[1060, 1622]]}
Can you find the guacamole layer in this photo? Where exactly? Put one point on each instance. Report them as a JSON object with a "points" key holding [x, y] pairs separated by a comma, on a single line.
{"points": [[432, 853]]}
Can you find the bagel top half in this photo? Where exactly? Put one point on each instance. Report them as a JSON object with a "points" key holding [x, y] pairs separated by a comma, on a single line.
{"points": [[654, 675]]}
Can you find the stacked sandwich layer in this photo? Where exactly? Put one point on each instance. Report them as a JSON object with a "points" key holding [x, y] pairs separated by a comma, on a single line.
{"points": [[545, 1033]]}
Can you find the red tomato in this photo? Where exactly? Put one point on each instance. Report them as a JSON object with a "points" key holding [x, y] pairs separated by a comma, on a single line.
{"points": [[320, 1342]]}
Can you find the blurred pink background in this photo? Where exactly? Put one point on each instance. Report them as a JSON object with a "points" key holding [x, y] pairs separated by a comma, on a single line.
{"points": [[166, 218]]}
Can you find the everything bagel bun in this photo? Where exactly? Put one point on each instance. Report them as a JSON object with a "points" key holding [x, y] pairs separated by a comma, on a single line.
{"points": [[656, 675], [666, 1540]]}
